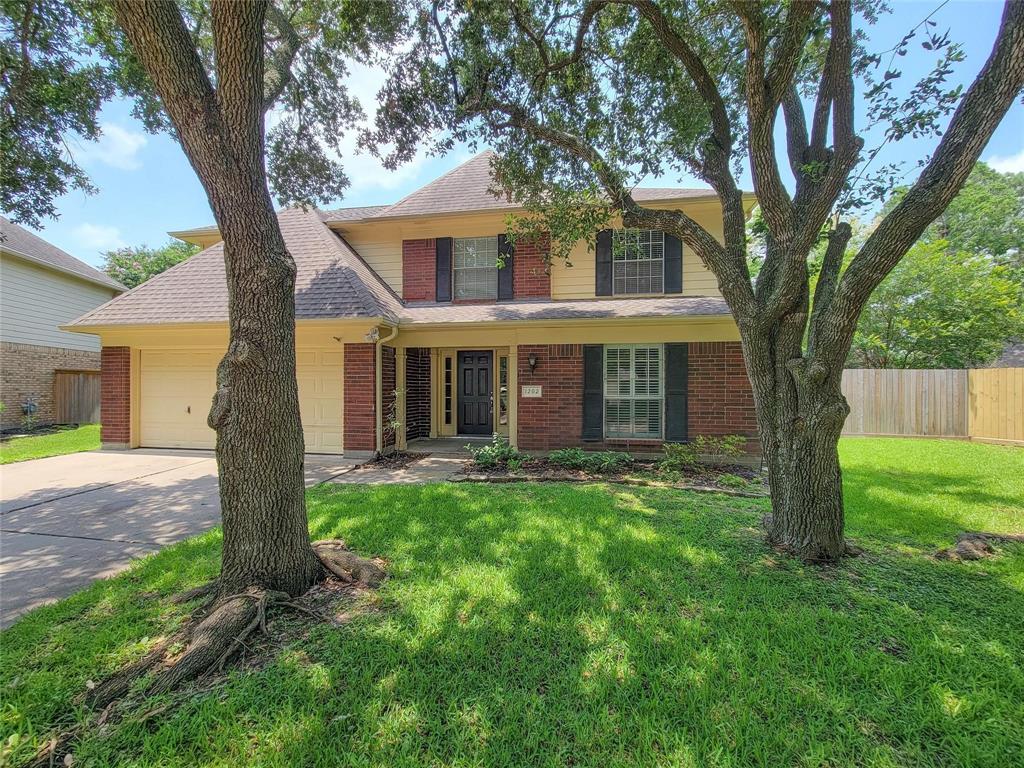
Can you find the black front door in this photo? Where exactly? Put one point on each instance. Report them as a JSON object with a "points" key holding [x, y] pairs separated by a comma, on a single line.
{"points": [[476, 392]]}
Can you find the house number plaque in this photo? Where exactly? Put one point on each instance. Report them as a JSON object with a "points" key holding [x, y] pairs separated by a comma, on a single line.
{"points": [[532, 390]]}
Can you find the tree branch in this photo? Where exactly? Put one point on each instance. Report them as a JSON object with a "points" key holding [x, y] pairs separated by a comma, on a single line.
{"points": [[279, 65], [983, 107]]}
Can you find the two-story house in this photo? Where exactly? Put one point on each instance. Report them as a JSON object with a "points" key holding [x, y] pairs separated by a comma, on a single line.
{"points": [[41, 289], [409, 327]]}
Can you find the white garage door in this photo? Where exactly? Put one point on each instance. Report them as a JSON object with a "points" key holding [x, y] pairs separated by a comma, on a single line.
{"points": [[176, 388]]}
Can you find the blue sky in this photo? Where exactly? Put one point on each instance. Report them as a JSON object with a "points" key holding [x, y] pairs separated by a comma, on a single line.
{"points": [[147, 188]]}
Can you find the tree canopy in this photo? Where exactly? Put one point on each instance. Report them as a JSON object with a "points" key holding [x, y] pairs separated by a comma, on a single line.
{"points": [[134, 265]]}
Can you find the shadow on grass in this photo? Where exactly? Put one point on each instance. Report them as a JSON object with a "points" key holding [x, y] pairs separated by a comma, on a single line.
{"points": [[552, 625]]}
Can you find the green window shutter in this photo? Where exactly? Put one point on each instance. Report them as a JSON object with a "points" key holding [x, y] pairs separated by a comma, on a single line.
{"points": [[676, 376], [593, 392]]}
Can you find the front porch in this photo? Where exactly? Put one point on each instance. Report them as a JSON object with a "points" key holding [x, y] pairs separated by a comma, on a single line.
{"points": [[457, 446]]}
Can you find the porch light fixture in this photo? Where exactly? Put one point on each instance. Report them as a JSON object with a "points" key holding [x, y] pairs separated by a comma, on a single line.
{"points": [[532, 360]]}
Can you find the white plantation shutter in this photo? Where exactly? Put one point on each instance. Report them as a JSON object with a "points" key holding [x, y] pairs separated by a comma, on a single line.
{"points": [[633, 390]]}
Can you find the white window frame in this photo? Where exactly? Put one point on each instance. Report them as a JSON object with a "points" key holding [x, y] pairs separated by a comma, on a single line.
{"points": [[621, 250], [456, 242], [633, 397]]}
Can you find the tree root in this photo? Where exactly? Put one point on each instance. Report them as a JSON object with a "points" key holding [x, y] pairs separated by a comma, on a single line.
{"points": [[347, 565], [975, 545]]}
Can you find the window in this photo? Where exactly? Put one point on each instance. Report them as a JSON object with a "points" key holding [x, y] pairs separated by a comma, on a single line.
{"points": [[503, 390], [633, 393], [638, 261], [475, 262], [447, 390]]}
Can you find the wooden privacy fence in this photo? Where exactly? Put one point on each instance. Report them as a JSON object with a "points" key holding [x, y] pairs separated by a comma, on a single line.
{"points": [[982, 404], [76, 397]]}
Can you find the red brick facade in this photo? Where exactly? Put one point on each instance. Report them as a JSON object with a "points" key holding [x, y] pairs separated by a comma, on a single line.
{"points": [[417, 392], [720, 400], [26, 371], [531, 277], [115, 395], [419, 268], [360, 400]]}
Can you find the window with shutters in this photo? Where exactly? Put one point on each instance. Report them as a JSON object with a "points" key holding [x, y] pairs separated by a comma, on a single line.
{"points": [[638, 261], [475, 267], [633, 390]]}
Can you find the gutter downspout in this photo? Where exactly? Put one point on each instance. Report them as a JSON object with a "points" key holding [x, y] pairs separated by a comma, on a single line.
{"points": [[379, 386]]}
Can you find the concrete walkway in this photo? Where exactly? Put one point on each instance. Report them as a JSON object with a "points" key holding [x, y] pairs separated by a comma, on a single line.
{"points": [[430, 469], [67, 520]]}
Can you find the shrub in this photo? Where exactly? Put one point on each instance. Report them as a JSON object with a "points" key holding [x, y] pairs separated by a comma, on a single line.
{"points": [[599, 461], [498, 452], [718, 448]]}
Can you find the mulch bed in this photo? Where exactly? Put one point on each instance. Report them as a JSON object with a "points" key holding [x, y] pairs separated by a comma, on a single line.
{"points": [[719, 479], [395, 460]]}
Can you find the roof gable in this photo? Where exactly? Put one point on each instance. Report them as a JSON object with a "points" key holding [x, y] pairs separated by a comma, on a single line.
{"points": [[22, 243]]}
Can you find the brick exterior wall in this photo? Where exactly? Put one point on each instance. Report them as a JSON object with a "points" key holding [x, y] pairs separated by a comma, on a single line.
{"points": [[360, 401], [115, 395], [388, 383], [531, 276], [419, 270], [26, 370], [721, 401], [720, 398], [417, 393]]}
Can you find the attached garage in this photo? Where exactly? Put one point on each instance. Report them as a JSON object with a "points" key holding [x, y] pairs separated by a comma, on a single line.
{"points": [[177, 386]]}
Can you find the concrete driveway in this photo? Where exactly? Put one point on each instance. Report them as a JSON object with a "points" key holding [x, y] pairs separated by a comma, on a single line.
{"points": [[67, 520]]}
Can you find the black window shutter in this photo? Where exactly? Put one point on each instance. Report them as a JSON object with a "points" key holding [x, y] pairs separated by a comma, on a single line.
{"points": [[506, 285], [593, 392], [603, 266], [676, 374], [673, 264], [444, 268]]}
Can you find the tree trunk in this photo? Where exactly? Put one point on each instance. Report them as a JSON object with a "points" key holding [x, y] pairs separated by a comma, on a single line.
{"points": [[255, 410]]}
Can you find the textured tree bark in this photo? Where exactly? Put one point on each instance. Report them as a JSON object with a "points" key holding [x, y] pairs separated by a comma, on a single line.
{"points": [[255, 411]]}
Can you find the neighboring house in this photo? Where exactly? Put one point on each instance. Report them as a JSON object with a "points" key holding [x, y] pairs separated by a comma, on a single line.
{"points": [[1011, 357], [402, 315], [41, 289]]}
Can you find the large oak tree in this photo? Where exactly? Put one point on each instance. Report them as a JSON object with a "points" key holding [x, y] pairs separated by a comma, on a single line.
{"points": [[584, 99]]}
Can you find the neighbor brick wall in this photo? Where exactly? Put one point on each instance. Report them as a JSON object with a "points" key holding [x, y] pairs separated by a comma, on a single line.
{"points": [[115, 395], [720, 397], [531, 277], [360, 401], [721, 401], [27, 370], [417, 392], [419, 270], [388, 383]]}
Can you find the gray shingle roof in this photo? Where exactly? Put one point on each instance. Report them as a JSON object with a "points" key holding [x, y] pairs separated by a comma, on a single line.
{"points": [[19, 241], [689, 306], [332, 281]]}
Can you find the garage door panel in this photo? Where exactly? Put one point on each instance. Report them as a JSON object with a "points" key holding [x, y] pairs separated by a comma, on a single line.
{"points": [[177, 387]]}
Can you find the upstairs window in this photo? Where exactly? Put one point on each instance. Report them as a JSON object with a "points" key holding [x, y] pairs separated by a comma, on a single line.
{"points": [[475, 262], [633, 391], [638, 261]]}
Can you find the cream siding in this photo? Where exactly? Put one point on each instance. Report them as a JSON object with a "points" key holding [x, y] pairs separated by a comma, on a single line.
{"points": [[35, 301], [380, 245]]}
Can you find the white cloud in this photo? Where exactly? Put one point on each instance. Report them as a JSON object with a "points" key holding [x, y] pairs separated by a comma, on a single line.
{"points": [[117, 147], [1008, 163], [98, 237]]}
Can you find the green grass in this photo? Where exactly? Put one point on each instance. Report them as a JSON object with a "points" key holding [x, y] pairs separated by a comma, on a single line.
{"points": [[70, 440], [552, 625]]}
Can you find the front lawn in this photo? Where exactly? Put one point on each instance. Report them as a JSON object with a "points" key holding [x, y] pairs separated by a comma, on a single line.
{"points": [[598, 625], [56, 443]]}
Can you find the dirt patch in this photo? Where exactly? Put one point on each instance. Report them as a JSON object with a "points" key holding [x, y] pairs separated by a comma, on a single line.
{"points": [[977, 545]]}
